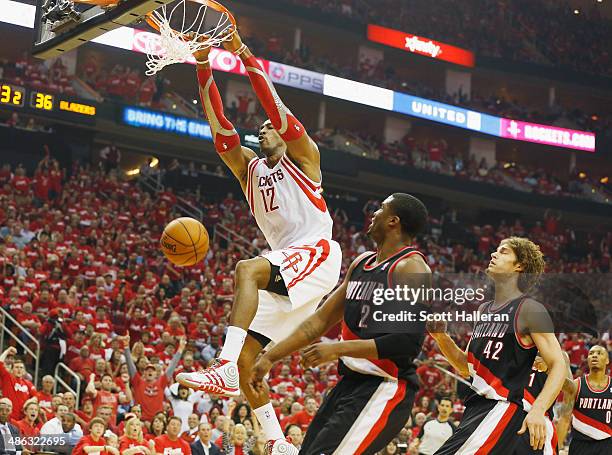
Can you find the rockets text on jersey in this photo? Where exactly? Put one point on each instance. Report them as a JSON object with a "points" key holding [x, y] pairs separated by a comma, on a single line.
{"points": [[288, 206], [592, 415], [498, 361], [365, 278]]}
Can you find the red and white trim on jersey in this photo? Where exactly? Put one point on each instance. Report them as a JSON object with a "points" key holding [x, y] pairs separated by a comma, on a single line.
{"points": [[385, 368], [372, 420], [367, 267], [324, 247], [249, 189], [590, 427], [484, 382], [592, 389], [311, 189], [485, 436], [516, 328]]}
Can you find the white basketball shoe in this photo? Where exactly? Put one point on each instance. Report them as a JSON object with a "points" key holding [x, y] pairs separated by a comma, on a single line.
{"points": [[220, 378]]}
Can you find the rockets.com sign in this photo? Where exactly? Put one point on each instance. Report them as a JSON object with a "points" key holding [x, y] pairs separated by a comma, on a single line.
{"points": [[419, 45], [547, 134]]}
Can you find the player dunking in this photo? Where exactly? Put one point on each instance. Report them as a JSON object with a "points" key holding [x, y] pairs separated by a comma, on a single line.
{"points": [[373, 400], [274, 292], [590, 399], [499, 359]]}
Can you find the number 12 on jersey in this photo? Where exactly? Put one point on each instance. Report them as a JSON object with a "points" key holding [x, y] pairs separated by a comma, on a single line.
{"points": [[268, 199]]}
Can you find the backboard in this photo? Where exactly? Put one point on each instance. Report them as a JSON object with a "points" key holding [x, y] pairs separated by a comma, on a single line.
{"points": [[62, 25]]}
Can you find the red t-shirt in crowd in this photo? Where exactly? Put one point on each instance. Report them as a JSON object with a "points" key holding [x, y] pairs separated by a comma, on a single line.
{"points": [[302, 419], [163, 445], [16, 390], [104, 398], [88, 441], [26, 430], [127, 443], [150, 395]]}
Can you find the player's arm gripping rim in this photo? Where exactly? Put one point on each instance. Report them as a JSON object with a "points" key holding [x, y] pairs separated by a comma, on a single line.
{"points": [[329, 314], [531, 322], [300, 147], [225, 136]]}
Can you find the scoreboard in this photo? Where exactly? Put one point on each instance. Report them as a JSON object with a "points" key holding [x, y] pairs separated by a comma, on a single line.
{"points": [[16, 96]]}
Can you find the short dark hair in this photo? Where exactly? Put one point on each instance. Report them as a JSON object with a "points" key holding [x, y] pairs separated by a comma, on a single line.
{"points": [[291, 425], [446, 399], [411, 212], [175, 418]]}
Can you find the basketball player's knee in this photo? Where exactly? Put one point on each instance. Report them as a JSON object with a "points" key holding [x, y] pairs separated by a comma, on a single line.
{"points": [[256, 269]]}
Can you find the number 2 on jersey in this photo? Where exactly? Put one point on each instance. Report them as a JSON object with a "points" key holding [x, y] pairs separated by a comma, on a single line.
{"points": [[269, 202]]}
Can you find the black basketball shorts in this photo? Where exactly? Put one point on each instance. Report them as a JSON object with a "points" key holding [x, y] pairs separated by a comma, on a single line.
{"points": [[359, 416], [487, 427]]}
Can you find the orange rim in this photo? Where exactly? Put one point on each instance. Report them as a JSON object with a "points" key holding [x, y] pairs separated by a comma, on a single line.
{"points": [[98, 2], [210, 3]]}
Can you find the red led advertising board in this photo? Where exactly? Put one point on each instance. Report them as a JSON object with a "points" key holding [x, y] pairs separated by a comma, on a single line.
{"points": [[419, 45]]}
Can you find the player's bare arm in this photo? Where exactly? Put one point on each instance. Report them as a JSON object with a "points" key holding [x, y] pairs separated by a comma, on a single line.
{"points": [[411, 271], [570, 390], [449, 349], [315, 326], [225, 136], [300, 147], [532, 320]]}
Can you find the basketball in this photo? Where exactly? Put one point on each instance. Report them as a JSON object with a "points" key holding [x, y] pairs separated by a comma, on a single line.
{"points": [[184, 241]]}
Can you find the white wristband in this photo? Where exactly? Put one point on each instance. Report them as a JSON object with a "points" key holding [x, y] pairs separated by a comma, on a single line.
{"points": [[241, 49], [204, 62]]}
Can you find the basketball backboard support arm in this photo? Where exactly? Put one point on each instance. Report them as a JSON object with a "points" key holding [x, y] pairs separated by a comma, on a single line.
{"points": [[52, 38]]}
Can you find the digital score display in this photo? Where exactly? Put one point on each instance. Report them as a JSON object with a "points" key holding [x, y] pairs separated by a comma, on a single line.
{"points": [[15, 96], [12, 95], [40, 100]]}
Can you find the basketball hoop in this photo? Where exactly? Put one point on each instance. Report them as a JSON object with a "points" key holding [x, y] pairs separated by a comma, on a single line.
{"points": [[185, 27]]}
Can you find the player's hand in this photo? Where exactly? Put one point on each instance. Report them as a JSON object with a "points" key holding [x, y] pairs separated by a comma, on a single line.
{"points": [[318, 354], [260, 390], [234, 43], [539, 364], [535, 422], [260, 370], [11, 351], [202, 54]]}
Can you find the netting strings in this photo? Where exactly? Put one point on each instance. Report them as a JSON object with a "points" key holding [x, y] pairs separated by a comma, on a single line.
{"points": [[178, 46]]}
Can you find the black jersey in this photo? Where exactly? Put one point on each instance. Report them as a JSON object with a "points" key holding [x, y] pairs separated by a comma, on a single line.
{"points": [[533, 388], [498, 361], [592, 416], [362, 283]]}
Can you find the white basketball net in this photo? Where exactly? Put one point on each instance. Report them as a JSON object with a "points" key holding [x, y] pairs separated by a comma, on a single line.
{"points": [[174, 45]]}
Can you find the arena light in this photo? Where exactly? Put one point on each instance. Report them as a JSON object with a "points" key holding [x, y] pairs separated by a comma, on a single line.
{"points": [[603, 180], [154, 162], [358, 92], [132, 172]]}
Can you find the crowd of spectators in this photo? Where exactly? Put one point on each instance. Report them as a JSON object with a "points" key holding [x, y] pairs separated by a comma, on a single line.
{"points": [[81, 270], [37, 74], [436, 155], [544, 32]]}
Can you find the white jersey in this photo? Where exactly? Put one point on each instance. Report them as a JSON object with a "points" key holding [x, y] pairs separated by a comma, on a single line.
{"points": [[288, 206]]}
